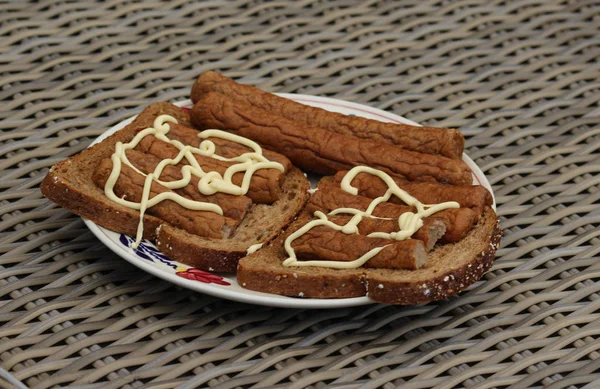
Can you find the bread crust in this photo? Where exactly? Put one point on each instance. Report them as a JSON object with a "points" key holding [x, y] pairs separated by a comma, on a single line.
{"points": [[301, 283], [440, 287], [173, 243], [85, 205]]}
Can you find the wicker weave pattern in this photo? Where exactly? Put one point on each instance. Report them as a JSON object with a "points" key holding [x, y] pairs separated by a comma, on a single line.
{"points": [[520, 78]]}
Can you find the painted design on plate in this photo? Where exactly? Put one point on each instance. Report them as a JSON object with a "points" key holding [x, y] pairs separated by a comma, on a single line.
{"points": [[146, 250], [194, 274]]}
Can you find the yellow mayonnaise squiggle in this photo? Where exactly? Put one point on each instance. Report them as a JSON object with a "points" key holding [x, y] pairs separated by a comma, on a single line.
{"points": [[408, 222], [209, 182]]}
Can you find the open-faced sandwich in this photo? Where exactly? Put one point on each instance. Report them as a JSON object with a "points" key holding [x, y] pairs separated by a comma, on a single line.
{"points": [[205, 198], [396, 218]]}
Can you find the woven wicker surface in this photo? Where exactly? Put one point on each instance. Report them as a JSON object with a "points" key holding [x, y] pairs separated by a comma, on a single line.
{"points": [[520, 78]]}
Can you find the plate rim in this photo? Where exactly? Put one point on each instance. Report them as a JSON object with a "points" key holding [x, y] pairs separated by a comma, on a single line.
{"points": [[265, 299]]}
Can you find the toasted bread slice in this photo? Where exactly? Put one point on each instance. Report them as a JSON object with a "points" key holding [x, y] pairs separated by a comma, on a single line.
{"points": [[69, 184], [450, 269]]}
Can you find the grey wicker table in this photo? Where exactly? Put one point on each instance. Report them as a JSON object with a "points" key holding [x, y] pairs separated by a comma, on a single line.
{"points": [[520, 78]]}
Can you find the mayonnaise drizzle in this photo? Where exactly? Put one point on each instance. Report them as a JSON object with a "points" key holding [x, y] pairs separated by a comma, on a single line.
{"points": [[209, 182], [254, 248], [408, 222]]}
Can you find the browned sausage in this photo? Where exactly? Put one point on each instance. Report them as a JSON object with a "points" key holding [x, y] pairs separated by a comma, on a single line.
{"points": [[265, 186], [234, 207], [432, 229], [322, 151], [131, 185], [431, 140], [458, 221], [324, 243], [469, 196], [223, 147]]}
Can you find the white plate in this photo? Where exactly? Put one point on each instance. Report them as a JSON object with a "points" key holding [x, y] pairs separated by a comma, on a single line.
{"points": [[150, 259]]}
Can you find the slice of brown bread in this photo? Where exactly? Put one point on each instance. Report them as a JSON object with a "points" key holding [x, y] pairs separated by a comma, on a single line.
{"points": [[261, 224], [69, 184], [450, 269]]}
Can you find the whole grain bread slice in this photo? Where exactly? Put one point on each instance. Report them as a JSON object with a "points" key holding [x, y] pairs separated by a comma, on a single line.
{"points": [[261, 224], [70, 184], [450, 269]]}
